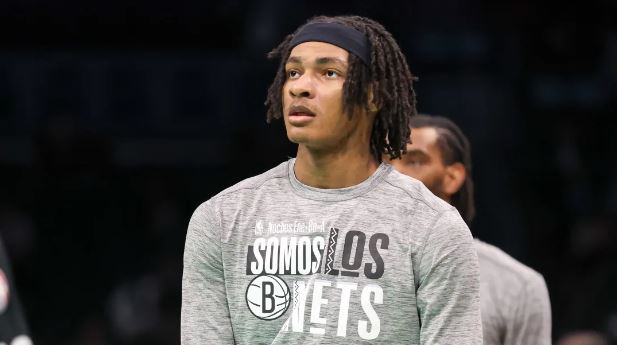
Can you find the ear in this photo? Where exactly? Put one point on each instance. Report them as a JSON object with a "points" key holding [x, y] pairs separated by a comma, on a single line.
{"points": [[454, 178]]}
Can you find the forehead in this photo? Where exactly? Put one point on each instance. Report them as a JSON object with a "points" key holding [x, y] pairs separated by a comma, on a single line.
{"points": [[424, 138], [313, 50]]}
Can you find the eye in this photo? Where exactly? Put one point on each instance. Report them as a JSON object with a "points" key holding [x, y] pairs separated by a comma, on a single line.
{"points": [[292, 74], [414, 163], [332, 73]]}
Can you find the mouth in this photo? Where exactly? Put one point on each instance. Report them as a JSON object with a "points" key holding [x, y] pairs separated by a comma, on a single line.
{"points": [[300, 116], [300, 111]]}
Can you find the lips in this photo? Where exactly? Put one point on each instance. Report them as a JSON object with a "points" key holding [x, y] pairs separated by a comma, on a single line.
{"points": [[300, 110], [300, 116]]}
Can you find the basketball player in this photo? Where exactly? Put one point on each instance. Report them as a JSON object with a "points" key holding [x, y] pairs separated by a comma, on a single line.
{"points": [[513, 297], [333, 247], [13, 328]]}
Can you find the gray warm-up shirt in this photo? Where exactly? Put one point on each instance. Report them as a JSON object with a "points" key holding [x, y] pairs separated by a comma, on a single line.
{"points": [[515, 305], [273, 261]]}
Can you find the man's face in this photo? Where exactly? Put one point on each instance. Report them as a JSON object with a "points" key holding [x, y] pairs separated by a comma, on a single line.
{"points": [[423, 160], [313, 98]]}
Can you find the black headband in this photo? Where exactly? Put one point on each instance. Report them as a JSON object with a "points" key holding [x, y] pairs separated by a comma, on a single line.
{"points": [[340, 35]]}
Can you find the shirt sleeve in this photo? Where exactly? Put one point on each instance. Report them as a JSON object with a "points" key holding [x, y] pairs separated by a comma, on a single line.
{"points": [[531, 323], [448, 292], [205, 315]]}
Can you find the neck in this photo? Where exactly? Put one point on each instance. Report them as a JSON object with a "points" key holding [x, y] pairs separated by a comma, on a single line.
{"points": [[328, 170]]}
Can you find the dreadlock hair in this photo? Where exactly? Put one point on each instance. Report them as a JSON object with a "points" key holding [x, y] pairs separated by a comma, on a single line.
{"points": [[388, 74], [455, 148]]}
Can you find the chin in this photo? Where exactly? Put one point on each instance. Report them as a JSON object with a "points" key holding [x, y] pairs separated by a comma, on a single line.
{"points": [[300, 140], [298, 135], [294, 140]]}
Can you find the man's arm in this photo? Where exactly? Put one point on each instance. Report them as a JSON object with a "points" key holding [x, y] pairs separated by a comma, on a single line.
{"points": [[13, 327], [449, 290], [531, 322], [205, 314]]}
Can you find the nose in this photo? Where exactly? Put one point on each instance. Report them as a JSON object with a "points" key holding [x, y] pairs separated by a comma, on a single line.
{"points": [[302, 87]]}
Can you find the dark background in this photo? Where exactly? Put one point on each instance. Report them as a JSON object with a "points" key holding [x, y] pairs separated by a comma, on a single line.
{"points": [[117, 118]]}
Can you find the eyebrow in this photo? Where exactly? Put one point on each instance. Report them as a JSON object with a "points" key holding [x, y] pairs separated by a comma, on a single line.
{"points": [[319, 61], [330, 60], [417, 152], [294, 59]]}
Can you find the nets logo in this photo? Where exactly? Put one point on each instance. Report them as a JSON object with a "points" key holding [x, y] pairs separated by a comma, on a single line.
{"points": [[267, 297]]}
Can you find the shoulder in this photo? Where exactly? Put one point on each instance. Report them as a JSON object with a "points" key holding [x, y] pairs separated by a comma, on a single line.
{"points": [[432, 223], [422, 209], [276, 174], [513, 295], [494, 262], [243, 189], [413, 193]]}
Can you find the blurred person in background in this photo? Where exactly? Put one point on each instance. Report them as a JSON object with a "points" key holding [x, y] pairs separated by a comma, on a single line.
{"points": [[583, 338], [13, 327], [514, 298], [398, 263]]}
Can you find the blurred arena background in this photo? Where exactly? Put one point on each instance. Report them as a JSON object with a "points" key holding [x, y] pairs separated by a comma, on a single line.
{"points": [[117, 118]]}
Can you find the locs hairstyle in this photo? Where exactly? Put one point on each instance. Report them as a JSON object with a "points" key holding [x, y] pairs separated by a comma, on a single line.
{"points": [[387, 72], [455, 148]]}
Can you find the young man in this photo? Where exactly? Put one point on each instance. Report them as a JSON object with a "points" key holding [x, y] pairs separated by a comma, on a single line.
{"points": [[514, 299], [333, 247]]}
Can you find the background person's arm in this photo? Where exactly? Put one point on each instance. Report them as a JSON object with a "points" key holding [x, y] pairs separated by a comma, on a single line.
{"points": [[531, 323], [13, 326]]}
